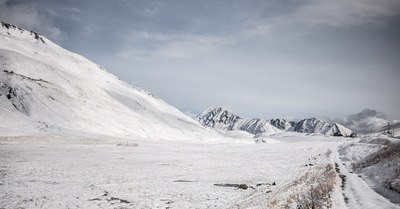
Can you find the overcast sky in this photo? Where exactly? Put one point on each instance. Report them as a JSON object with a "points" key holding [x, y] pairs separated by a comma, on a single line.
{"points": [[258, 58]]}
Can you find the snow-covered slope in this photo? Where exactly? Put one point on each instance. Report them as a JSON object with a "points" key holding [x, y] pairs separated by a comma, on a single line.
{"points": [[45, 88], [338, 129], [217, 117]]}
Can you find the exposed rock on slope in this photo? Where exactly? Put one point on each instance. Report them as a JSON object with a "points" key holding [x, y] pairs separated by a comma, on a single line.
{"points": [[282, 124], [311, 125]]}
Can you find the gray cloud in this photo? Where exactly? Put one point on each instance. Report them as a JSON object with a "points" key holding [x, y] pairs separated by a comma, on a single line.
{"points": [[175, 46], [70, 13], [365, 121]]}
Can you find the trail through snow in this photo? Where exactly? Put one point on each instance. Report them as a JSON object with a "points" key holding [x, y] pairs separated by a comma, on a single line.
{"points": [[357, 192]]}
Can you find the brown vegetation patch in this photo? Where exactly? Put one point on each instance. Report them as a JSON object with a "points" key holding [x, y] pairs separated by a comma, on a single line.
{"points": [[312, 190]]}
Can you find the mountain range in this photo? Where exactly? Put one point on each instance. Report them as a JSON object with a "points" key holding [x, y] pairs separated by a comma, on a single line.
{"points": [[218, 117]]}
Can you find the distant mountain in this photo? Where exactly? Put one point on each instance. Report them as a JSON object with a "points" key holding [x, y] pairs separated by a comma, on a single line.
{"points": [[217, 117], [47, 89]]}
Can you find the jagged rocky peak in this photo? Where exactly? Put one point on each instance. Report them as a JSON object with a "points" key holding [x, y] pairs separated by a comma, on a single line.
{"points": [[218, 117]]}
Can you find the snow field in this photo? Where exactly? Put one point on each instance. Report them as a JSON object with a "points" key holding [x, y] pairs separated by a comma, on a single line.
{"points": [[53, 171]]}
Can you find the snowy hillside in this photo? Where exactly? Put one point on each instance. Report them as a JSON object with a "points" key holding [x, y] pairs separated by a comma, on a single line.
{"points": [[45, 88], [217, 117]]}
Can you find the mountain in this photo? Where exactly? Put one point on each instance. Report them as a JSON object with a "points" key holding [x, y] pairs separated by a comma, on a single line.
{"points": [[47, 89], [217, 117]]}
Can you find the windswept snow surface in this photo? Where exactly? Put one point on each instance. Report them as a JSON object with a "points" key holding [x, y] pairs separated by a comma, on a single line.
{"points": [[51, 171]]}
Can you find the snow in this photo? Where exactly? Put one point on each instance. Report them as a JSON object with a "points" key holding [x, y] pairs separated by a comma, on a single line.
{"points": [[54, 171], [59, 172]]}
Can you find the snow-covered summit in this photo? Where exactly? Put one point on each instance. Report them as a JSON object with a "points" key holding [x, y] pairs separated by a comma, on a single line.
{"points": [[45, 88], [217, 117]]}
